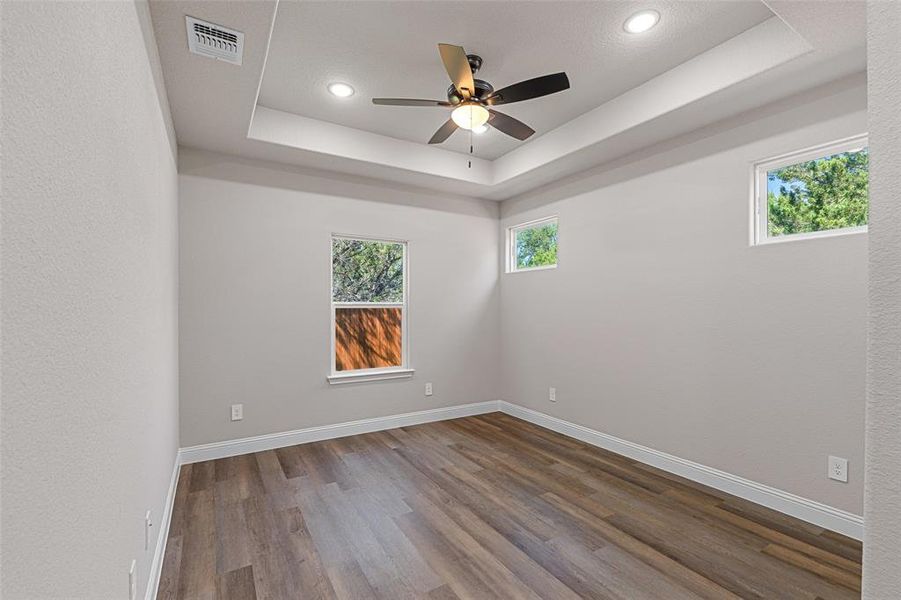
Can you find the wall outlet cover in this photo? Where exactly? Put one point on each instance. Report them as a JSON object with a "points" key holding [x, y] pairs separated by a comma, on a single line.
{"points": [[148, 527], [428, 389], [838, 469], [552, 394], [133, 580], [237, 412]]}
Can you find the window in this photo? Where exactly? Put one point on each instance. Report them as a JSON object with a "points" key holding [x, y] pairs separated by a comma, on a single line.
{"points": [[532, 246], [369, 309], [813, 193]]}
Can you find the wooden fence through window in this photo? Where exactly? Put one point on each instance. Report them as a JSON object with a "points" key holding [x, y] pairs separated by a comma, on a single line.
{"points": [[368, 338]]}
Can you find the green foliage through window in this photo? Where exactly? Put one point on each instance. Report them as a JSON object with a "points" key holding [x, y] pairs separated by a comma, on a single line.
{"points": [[367, 271], [535, 246], [818, 195]]}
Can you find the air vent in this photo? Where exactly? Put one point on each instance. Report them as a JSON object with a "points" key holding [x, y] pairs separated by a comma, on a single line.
{"points": [[215, 41]]}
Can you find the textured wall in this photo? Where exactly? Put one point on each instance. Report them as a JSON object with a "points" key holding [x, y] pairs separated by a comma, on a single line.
{"points": [[882, 511], [255, 255], [746, 359], [89, 366]]}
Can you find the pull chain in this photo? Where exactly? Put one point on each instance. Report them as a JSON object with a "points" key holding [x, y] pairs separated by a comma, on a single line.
{"points": [[470, 137]]}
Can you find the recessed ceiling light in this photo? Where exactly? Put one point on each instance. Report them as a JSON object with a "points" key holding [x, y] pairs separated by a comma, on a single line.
{"points": [[342, 90], [641, 21], [480, 129]]}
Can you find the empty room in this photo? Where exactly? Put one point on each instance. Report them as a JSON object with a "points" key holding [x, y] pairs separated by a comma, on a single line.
{"points": [[450, 299]]}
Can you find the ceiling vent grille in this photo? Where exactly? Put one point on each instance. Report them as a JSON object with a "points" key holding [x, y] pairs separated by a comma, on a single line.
{"points": [[215, 41]]}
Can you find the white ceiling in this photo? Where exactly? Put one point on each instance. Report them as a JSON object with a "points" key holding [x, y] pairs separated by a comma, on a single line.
{"points": [[389, 49], [706, 61]]}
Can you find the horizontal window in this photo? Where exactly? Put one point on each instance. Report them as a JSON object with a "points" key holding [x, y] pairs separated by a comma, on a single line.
{"points": [[532, 245], [813, 193], [368, 308]]}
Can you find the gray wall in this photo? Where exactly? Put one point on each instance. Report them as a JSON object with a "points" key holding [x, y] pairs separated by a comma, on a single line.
{"points": [[254, 296], [89, 367], [882, 541], [662, 326]]}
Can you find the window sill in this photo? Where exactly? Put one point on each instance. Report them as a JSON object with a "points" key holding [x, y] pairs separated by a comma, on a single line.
{"points": [[528, 269], [814, 235], [364, 376]]}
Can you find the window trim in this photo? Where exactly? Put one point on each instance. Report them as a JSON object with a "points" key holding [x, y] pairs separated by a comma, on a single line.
{"points": [[759, 205], [511, 244], [380, 373]]}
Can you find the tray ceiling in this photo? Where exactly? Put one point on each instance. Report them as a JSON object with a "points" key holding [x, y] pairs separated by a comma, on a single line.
{"points": [[389, 49], [704, 62]]}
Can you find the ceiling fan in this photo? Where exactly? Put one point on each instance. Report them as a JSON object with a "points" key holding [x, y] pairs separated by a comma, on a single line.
{"points": [[471, 99]]}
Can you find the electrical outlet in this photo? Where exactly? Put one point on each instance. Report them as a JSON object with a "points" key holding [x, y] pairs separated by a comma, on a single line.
{"points": [[133, 580], [148, 527], [428, 389], [838, 469], [552, 394], [237, 412]]}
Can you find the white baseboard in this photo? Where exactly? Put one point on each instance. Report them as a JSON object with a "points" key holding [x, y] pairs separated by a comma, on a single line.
{"points": [[271, 441], [156, 565], [819, 514]]}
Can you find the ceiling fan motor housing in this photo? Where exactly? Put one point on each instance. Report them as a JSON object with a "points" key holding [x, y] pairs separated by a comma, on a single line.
{"points": [[483, 88]]}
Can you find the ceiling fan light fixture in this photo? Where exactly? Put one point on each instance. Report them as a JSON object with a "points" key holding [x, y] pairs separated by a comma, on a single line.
{"points": [[341, 90], [641, 21], [469, 98], [470, 115]]}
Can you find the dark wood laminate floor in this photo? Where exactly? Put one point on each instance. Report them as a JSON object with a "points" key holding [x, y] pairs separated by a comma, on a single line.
{"points": [[481, 507]]}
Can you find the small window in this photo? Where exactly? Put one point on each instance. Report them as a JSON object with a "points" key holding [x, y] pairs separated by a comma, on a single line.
{"points": [[532, 245], [813, 193], [369, 309]]}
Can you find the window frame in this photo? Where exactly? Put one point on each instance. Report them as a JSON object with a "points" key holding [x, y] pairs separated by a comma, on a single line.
{"points": [[759, 203], [511, 243], [378, 373]]}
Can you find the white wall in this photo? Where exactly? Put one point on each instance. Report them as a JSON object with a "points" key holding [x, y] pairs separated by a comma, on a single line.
{"points": [[89, 366], [662, 326], [254, 296], [882, 541]]}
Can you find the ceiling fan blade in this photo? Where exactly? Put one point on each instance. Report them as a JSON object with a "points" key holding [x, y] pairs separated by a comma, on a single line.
{"points": [[444, 132], [409, 102], [530, 88], [509, 125], [457, 66]]}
